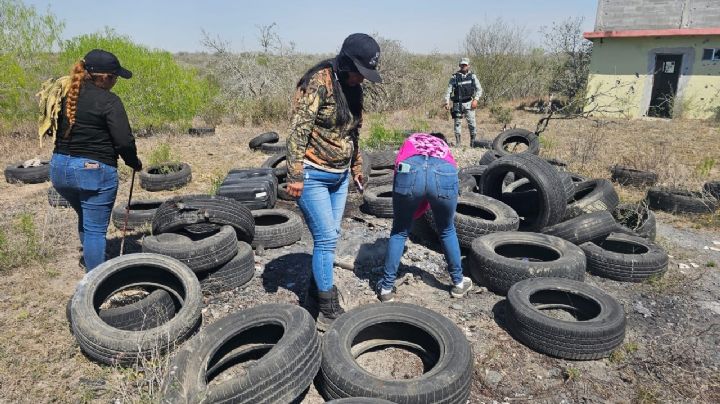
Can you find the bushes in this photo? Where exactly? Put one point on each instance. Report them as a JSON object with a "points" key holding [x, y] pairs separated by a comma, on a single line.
{"points": [[161, 93]]}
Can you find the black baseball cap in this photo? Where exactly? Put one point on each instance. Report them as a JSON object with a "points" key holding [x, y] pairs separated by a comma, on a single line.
{"points": [[100, 61], [364, 51]]}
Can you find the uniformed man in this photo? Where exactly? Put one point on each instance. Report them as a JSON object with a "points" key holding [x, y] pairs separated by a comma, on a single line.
{"points": [[464, 91]]}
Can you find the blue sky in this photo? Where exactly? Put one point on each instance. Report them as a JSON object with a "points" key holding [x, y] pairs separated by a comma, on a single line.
{"points": [[422, 26]]}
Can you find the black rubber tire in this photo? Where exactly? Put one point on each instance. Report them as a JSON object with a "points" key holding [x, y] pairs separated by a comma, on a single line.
{"points": [[235, 273], [380, 160], [484, 143], [475, 171], [278, 163], [421, 233], [152, 311], [359, 400], [378, 178], [712, 188], [559, 165], [56, 200], [516, 135], [499, 270], [274, 148], [577, 178], [592, 196], [675, 200], [283, 194], [267, 137], [17, 174], [201, 131], [258, 193], [524, 204], [636, 219], [589, 226], [396, 324], [568, 184], [107, 344], [632, 177], [153, 180], [488, 157], [625, 258], [523, 184], [141, 213], [183, 211], [377, 205], [283, 339], [276, 228], [476, 215], [550, 196], [599, 329], [200, 253]]}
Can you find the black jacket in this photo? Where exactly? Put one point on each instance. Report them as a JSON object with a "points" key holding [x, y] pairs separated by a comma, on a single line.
{"points": [[101, 131]]}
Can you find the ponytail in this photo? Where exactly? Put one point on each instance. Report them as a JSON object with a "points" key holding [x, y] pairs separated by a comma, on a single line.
{"points": [[78, 76]]}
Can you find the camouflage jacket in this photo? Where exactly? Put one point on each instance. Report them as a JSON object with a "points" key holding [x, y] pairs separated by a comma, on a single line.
{"points": [[315, 138]]}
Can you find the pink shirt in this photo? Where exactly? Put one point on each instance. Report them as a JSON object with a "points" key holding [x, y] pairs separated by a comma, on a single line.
{"points": [[425, 145]]}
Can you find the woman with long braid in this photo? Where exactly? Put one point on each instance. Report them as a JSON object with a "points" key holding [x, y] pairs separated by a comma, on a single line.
{"points": [[93, 130]]}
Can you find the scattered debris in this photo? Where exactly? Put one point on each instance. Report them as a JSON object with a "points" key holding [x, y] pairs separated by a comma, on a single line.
{"points": [[639, 308], [683, 266]]}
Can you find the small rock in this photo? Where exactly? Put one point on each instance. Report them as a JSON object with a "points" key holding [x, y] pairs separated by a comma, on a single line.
{"points": [[694, 265], [492, 378], [369, 293], [260, 250], [639, 308], [456, 306], [683, 266]]}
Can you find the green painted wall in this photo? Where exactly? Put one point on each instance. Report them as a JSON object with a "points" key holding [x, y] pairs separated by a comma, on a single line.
{"points": [[620, 78]]}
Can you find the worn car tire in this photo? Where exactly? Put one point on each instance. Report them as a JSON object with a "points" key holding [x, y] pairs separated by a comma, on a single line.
{"points": [[476, 215], [499, 260], [637, 219], [267, 137], [278, 163], [488, 157], [56, 200], [17, 174], [233, 274], [152, 311], [632, 177], [675, 200], [600, 325], [154, 180], [274, 148], [592, 196], [183, 211], [280, 337], [712, 188], [516, 135], [373, 326], [625, 258], [380, 177], [475, 172], [378, 201], [109, 345], [589, 226], [484, 143], [200, 253], [380, 160], [141, 213], [276, 228]]}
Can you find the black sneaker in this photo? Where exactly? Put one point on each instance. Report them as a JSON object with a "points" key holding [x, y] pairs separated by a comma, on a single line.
{"points": [[460, 290], [385, 297]]}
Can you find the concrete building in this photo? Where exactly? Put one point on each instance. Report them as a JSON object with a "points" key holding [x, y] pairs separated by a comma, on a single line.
{"points": [[655, 58]]}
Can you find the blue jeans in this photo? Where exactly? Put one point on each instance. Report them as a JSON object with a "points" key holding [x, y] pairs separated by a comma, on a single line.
{"points": [[90, 187], [323, 202], [436, 180]]}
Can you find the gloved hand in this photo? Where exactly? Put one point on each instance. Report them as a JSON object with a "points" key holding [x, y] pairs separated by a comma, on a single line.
{"points": [[138, 166], [474, 104]]}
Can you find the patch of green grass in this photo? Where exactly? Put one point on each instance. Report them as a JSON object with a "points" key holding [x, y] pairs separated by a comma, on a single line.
{"points": [[419, 125], [571, 373], [631, 347], [24, 246], [705, 166], [645, 395], [710, 264], [502, 115], [546, 143], [215, 180], [617, 356], [381, 136], [160, 155]]}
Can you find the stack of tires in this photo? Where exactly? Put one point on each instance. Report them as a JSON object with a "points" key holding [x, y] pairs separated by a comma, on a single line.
{"points": [[210, 234], [139, 215], [278, 163], [268, 143], [255, 188]]}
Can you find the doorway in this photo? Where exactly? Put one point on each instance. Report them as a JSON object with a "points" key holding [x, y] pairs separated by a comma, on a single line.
{"points": [[665, 85]]}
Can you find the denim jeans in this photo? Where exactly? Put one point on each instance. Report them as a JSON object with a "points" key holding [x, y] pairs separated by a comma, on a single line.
{"points": [[90, 187], [436, 180], [323, 202]]}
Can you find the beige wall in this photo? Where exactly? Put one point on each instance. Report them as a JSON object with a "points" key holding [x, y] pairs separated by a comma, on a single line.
{"points": [[621, 69]]}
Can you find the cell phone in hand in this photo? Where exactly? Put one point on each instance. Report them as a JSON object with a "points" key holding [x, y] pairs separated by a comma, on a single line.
{"points": [[359, 186]]}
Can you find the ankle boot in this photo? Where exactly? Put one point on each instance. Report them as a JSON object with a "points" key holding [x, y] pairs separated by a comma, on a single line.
{"points": [[329, 308], [310, 301]]}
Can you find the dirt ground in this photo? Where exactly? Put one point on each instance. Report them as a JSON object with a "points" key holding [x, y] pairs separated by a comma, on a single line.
{"points": [[670, 353]]}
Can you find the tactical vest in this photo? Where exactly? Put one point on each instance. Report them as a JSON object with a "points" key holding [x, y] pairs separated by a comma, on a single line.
{"points": [[463, 88]]}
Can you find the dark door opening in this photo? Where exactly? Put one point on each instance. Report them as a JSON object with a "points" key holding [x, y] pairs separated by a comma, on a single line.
{"points": [[665, 83]]}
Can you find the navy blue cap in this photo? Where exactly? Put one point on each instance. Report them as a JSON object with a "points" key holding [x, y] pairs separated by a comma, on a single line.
{"points": [[100, 61], [364, 51]]}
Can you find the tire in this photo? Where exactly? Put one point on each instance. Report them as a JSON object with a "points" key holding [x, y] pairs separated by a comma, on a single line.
{"points": [[600, 319], [278, 163], [476, 215], [517, 135], [378, 201], [421, 233], [489, 157], [274, 148], [56, 200], [276, 228], [499, 260], [380, 160], [712, 188], [202, 131], [283, 194], [200, 253], [559, 165], [281, 337], [592, 196], [629, 176], [267, 137], [378, 178], [484, 143], [141, 214], [583, 228], [568, 185], [396, 324], [17, 174], [183, 211], [475, 171], [359, 400], [625, 258], [154, 180], [258, 193], [549, 200], [466, 184], [111, 346], [675, 200], [235, 273], [636, 219], [152, 311]]}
